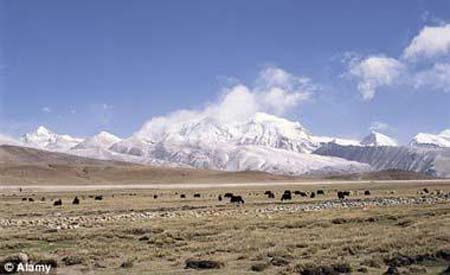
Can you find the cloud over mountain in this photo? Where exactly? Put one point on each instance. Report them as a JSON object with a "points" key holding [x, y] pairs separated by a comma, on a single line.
{"points": [[275, 91]]}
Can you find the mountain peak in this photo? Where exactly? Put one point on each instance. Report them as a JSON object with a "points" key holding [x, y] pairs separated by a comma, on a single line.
{"points": [[42, 131], [427, 140], [378, 139], [44, 138], [102, 140], [106, 135]]}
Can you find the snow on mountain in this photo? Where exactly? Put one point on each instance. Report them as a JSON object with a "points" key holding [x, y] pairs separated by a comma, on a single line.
{"points": [[260, 129], [106, 154], [6, 140], [43, 138], [435, 162], [341, 141], [378, 139], [261, 142], [277, 161], [102, 140], [373, 139], [425, 140], [132, 146]]}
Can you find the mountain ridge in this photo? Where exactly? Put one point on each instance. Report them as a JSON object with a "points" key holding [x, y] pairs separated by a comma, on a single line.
{"points": [[261, 142]]}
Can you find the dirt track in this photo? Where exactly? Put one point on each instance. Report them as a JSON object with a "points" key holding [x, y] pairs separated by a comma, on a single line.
{"points": [[171, 186]]}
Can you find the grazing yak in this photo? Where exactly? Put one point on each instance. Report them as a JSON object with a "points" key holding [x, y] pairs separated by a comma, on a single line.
{"points": [[228, 195], [286, 195], [76, 200], [196, 195], [342, 194], [183, 196], [302, 194], [98, 198], [269, 194], [237, 200], [219, 198], [313, 195], [320, 192], [367, 193], [57, 202], [155, 196]]}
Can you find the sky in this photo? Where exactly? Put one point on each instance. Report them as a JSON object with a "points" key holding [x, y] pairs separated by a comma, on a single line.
{"points": [[340, 68]]}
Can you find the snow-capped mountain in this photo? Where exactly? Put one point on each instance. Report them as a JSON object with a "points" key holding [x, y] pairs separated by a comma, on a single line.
{"points": [[43, 138], [102, 140], [373, 139], [260, 129], [262, 142], [378, 139], [424, 140]]}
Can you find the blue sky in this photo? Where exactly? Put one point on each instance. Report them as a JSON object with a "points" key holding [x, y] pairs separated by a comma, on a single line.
{"points": [[83, 66]]}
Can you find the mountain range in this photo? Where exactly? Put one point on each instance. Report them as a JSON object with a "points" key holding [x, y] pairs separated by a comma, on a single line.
{"points": [[261, 142]]}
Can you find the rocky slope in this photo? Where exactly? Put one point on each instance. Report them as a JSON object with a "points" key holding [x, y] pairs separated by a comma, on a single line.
{"points": [[435, 162]]}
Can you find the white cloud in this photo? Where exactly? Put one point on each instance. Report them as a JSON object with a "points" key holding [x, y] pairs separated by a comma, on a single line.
{"points": [[276, 91], [379, 126], [277, 100], [430, 42], [431, 46], [437, 77], [46, 109], [374, 72], [276, 77]]}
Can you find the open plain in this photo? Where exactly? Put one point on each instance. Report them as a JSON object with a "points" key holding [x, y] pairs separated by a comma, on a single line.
{"points": [[398, 227]]}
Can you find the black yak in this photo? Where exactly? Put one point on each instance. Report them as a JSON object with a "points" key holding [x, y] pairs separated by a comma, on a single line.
{"points": [[342, 194], [237, 200], [76, 200], [98, 198], [286, 195]]}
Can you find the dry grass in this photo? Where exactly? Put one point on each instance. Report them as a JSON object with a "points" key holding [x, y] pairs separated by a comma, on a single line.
{"points": [[277, 243]]}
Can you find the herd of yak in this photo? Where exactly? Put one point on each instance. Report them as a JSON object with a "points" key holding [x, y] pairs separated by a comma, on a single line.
{"points": [[235, 199]]}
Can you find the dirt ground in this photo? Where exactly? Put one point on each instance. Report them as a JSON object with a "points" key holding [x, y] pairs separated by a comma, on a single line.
{"points": [[129, 231]]}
